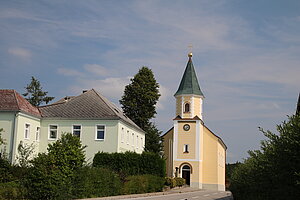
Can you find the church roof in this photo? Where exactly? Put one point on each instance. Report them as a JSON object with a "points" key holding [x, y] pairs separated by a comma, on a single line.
{"points": [[89, 105], [189, 82], [10, 100]]}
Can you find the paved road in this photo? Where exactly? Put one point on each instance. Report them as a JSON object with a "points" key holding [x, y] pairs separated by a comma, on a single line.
{"points": [[182, 194], [197, 195]]}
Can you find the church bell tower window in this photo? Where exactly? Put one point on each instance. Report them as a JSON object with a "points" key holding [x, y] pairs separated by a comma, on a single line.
{"points": [[186, 107]]}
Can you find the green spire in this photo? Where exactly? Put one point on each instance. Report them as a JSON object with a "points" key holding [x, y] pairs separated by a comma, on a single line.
{"points": [[189, 82]]}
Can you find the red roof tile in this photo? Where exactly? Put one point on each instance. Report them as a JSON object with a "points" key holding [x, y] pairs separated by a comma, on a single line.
{"points": [[10, 100]]}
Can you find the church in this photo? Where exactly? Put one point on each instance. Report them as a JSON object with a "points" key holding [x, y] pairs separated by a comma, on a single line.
{"points": [[192, 150]]}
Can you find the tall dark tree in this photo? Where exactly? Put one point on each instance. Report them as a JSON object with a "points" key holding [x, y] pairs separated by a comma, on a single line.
{"points": [[138, 103], [140, 97], [153, 139], [34, 93]]}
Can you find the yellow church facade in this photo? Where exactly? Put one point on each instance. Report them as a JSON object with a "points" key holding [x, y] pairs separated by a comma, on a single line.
{"points": [[193, 151]]}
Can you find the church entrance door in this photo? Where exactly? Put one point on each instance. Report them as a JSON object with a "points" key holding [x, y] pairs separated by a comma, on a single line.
{"points": [[186, 174]]}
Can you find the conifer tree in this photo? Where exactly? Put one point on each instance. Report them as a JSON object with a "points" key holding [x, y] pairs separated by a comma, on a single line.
{"points": [[138, 103], [35, 95], [140, 97]]}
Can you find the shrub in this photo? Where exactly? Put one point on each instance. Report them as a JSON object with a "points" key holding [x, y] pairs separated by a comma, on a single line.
{"points": [[131, 163], [51, 174], [143, 184], [12, 190], [170, 182], [96, 182], [179, 181]]}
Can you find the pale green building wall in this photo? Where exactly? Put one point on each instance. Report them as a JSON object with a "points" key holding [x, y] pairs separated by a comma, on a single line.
{"points": [[21, 120], [130, 139], [7, 123]]}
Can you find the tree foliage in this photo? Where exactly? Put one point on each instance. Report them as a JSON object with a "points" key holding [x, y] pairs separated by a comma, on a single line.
{"points": [[34, 93], [25, 152], [272, 172], [138, 103], [140, 97], [153, 140], [52, 174]]}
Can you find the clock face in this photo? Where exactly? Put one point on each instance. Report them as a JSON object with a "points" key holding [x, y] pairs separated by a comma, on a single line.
{"points": [[186, 127]]}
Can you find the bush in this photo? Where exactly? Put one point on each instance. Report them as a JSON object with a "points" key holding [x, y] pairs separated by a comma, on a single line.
{"points": [[12, 190], [170, 182], [179, 181], [131, 163], [143, 184], [51, 175]]}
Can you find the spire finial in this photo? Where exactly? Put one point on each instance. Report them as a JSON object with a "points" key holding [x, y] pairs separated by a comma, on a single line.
{"points": [[190, 51]]}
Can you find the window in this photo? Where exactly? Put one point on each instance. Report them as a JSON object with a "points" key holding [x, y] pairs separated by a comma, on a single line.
{"points": [[122, 135], [132, 139], [53, 132], [186, 148], [127, 137], [27, 131], [141, 142], [100, 132], [186, 107], [77, 130], [37, 134], [137, 141]]}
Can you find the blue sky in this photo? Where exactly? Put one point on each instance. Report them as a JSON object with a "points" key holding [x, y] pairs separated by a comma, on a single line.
{"points": [[246, 54]]}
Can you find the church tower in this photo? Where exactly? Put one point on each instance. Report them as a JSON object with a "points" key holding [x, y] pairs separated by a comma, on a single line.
{"points": [[187, 127], [193, 151]]}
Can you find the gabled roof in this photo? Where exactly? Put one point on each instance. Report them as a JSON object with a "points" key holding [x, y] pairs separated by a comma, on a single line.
{"points": [[10, 100], [89, 105], [189, 82]]}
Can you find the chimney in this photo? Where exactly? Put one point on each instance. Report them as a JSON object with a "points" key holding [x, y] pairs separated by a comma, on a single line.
{"points": [[84, 91]]}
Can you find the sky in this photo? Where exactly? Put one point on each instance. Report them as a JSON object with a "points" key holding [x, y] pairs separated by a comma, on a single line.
{"points": [[246, 55]]}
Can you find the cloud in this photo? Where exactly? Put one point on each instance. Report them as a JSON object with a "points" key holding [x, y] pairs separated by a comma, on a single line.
{"points": [[69, 72], [96, 69], [112, 88], [20, 53]]}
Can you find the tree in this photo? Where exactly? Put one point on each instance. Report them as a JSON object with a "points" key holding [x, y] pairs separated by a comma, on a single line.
{"points": [[140, 97], [34, 93], [24, 154], [153, 140], [52, 175], [272, 172]]}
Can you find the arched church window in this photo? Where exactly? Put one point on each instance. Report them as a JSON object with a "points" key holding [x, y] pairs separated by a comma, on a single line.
{"points": [[186, 107]]}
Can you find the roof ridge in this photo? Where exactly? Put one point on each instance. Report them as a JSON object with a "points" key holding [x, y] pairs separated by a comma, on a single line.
{"points": [[19, 108], [105, 101]]}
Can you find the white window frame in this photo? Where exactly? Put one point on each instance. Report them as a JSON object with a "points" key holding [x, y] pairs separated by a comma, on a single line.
{"points": [[27, 130], [186, 148], [132, 139], [37, 133], [49, 130], [77, 129], [122, 134], [96, 132], [128, 138], [137, 141]]}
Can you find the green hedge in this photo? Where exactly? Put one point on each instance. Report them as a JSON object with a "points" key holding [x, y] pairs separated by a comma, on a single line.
{"points": [[143, 184], [130, 163], [96, 182]]}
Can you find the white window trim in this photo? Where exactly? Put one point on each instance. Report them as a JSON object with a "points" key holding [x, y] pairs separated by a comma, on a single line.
{"points": [[132, 139], [96, 132], [27, 138], [77, 129], [37, 132], [49, 132], [122, 134], [137, 142], [128, 137]]}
